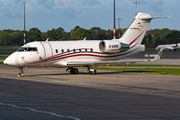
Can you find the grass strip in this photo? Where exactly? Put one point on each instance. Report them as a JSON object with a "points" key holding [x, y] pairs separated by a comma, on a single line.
{"points": [[143, 65], [2, 58], [168, 71], [7, 51]]}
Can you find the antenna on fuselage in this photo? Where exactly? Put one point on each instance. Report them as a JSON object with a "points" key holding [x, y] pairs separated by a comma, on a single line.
{"points": [[47, 39], [84, 39]]}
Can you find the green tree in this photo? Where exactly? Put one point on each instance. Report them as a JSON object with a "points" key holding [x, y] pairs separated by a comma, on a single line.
{"points": [[34, 34], [77, 33], [147, 42], [55, 34], [44, 36], [4, 38]]}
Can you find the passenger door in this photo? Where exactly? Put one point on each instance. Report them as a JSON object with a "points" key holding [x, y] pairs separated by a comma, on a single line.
{"points": [[47, 49]]}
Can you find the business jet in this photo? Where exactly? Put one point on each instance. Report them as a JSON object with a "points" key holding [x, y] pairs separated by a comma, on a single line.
{"points": [[169, 47], [84, 53]]}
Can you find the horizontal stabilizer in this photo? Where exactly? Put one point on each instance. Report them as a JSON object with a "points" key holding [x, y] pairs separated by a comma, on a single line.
{"points": [[150, 18]]}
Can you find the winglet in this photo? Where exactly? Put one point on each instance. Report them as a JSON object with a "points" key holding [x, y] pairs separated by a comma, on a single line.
{"points": [[158, 55]]}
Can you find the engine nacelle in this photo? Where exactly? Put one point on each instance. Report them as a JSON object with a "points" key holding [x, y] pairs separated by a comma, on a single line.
{"points": [[110, 46]]}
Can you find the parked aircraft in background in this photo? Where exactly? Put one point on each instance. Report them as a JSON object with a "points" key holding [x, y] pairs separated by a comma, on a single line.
{"points": [[84, 53], [169, 47]]}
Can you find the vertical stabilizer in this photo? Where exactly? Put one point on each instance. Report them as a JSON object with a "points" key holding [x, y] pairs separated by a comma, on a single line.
{"points": [[136, 31]]}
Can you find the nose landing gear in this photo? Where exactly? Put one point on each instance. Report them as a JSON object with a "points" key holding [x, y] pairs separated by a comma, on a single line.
{"points": [[21, 72]]}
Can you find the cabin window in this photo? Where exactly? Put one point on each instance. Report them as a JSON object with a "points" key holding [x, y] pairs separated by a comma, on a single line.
{"points": [[91, 50], [25, 49], [74, 50], [79, 50], [32, 49], [85, 50], [67, 50], [56, 50], [62, 50]]}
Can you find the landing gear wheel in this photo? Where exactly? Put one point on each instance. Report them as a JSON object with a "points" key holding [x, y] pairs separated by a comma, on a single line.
{"points": [[91, 71], [94, 72], [74, 71], [21, 72]]}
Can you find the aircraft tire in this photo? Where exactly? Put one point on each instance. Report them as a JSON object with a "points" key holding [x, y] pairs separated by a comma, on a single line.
{"points": [[92, 72], [74, 71]]}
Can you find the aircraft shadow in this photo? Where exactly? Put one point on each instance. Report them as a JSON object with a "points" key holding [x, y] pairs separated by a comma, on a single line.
{"points": [[80, 73]]}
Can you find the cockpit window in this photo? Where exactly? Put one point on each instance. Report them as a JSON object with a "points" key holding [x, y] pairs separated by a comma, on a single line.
{"points": [[27, 49]]}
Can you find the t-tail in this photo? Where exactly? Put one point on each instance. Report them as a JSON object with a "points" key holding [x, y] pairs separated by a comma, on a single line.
{"points": [[136, 31]]}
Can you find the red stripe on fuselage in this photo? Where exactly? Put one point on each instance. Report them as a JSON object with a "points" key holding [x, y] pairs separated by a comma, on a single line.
{"points": [[77, 55], [67, 52], [136, 39]]}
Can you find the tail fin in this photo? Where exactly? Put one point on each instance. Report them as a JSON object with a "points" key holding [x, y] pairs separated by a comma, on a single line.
{"points": [[157, 57], [136, 31]]}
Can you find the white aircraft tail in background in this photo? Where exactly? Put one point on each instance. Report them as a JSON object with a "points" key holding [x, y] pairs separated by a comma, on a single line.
{"points": [[84, 53], [169, 47]]}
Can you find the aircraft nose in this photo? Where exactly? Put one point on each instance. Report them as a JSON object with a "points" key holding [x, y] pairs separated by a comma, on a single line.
{"points": [[12, 59], [7, 61]]}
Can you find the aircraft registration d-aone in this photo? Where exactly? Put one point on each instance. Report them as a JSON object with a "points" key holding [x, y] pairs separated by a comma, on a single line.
{"points": [[84, 53]]}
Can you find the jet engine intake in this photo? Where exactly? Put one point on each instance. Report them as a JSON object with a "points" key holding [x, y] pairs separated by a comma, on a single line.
{"points": [[112, 46]]}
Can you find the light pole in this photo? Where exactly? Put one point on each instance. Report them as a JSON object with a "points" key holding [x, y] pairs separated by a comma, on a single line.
{"points": [[119, 27], [24, 24], [136, 5], [114, 33]]}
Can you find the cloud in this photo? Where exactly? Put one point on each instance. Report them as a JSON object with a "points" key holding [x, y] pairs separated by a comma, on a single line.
{"points": [[155, 5], [92, 2], [9, 8], [158, 2]]}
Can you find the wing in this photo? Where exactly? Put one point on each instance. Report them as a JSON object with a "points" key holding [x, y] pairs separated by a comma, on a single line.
{"points": [[123, 61]]}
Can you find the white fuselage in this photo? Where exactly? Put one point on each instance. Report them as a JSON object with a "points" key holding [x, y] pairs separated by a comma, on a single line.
{"points": [[57, 53], [83, 52]]}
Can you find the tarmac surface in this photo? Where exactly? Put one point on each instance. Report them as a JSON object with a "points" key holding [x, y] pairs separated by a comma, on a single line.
{"points": [[165, 54], [53, 93]]}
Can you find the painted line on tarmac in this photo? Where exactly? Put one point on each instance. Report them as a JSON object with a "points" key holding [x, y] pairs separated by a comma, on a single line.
{"points": [[34, 110], [73, 80]]}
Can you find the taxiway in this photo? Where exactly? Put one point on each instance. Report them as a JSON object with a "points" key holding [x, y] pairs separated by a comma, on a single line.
{"points": [[56, 94]]}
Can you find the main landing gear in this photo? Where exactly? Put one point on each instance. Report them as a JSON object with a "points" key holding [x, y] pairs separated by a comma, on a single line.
{"points": [[21, 72], [90, 70], [72, 70]]}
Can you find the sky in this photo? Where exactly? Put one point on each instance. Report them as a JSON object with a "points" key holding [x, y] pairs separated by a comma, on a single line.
{"points": [[48, 14]]}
